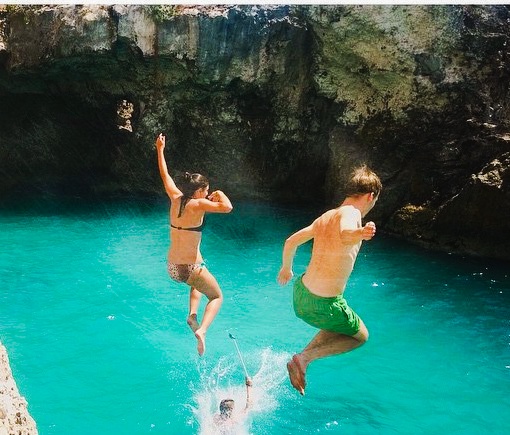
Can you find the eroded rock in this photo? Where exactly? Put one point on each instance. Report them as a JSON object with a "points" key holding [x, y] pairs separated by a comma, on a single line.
{"points": [[14, 416]]}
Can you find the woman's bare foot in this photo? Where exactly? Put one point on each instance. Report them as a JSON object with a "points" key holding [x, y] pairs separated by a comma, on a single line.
{"points": [[192, 322], [200, 341]]}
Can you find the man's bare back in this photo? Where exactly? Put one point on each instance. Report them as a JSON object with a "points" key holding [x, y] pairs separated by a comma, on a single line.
{"points": [[332, 259]]}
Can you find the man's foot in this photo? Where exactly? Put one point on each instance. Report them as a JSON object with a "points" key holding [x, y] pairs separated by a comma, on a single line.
{"points": [[192, 322], [296, 374], [200, 341]]}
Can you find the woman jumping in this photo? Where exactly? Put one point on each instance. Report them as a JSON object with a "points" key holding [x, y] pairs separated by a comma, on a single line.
{"points": [[185, 263]]}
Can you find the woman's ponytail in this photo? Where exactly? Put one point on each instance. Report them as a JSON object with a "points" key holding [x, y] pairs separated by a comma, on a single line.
{"points": [[191, 183]]}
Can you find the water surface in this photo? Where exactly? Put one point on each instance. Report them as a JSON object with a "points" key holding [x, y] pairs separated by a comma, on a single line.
{"points": [[98, 343]]}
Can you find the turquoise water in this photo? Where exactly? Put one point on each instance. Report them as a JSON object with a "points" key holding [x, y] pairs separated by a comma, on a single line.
{"points": [[98, 343]]}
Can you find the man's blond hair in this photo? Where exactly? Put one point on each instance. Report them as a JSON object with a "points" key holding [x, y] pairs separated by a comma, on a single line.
{"points": [[363, 180]]}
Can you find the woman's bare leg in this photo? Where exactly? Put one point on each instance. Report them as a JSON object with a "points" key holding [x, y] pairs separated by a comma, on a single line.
{"points": [[194, 303], [204, 282]]}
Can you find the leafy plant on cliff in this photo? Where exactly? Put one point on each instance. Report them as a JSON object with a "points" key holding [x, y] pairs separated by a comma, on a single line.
{"points": [[160, 13]]}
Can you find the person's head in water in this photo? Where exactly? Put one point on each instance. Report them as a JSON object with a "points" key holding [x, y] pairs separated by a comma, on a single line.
{"points": [[193, 186], [226, 408]]}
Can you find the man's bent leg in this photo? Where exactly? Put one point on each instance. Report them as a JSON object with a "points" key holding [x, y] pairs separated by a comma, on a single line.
{"points": [[327, 343], [324, 344]]}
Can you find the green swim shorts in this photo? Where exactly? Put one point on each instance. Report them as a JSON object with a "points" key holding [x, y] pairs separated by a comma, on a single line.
{"points": [[331, 314]]}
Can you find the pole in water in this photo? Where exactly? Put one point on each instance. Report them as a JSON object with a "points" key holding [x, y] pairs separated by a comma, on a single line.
{"points": [[239, 353]]}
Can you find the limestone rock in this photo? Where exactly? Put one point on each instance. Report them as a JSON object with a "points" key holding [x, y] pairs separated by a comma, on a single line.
{"points": [[14, 416]]}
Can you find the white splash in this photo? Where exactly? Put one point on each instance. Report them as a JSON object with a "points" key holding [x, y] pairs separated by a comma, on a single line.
{"points": [[225, 381]]}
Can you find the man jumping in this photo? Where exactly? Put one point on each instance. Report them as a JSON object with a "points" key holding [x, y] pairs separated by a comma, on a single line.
{"points": [[318, 293]]}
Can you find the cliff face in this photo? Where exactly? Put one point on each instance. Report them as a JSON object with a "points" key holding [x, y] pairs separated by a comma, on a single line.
{"points": [[269, 102]]}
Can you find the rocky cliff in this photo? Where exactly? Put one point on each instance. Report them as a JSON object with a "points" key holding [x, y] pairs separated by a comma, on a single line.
{"points": [[14, 416], [269, 102]]}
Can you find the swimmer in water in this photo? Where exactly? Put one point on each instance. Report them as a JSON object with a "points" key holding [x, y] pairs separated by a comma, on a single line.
{"points": [[226, 417]]}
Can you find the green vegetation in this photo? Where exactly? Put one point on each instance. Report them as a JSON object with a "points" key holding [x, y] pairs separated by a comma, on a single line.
{"points": [[160, 13]]}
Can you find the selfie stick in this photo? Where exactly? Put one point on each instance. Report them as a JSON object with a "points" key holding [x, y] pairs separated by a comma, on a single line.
{"points": [[239, 353]]}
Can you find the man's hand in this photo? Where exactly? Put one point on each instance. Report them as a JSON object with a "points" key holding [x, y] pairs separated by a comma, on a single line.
{"points": [[284, 276], [248, 381], [368, 231], [160, 142]]}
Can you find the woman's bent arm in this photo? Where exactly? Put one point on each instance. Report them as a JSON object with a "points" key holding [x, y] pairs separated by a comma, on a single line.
{"points": [[217, 202]]}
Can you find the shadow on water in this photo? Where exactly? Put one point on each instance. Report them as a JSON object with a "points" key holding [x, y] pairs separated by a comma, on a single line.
{"points": [[47, 206]]}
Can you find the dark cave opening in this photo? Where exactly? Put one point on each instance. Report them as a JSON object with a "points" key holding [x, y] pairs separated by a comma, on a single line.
{"points": [[55, 144]]}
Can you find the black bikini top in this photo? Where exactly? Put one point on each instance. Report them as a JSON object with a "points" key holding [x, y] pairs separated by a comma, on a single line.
{"points": [[199, 228]]}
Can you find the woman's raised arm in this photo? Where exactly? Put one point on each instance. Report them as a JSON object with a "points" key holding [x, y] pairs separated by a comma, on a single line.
{"points": [[171, 189]]}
